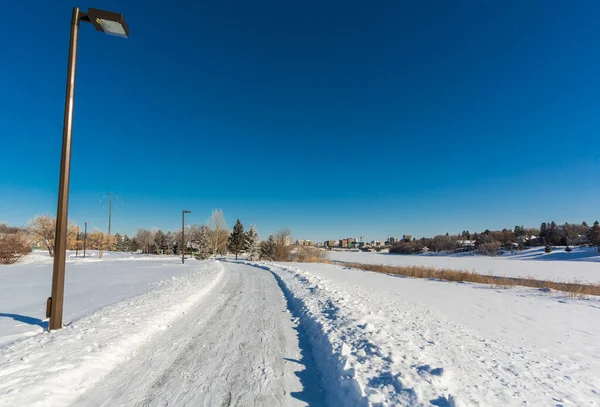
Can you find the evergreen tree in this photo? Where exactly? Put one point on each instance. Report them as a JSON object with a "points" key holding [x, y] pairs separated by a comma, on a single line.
{"points": [[554, 235], [594, 235], [118, 242], [125, 244], [252, 244], [543, 231], [267, 249], [203, 240], [134, 245], [237, 242]]}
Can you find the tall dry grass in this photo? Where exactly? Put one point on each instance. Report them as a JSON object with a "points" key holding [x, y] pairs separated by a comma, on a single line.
{"points": [[575, 289]]}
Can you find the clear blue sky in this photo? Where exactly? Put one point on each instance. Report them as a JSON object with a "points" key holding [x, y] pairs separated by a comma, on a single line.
{"points": [[331, 118]]}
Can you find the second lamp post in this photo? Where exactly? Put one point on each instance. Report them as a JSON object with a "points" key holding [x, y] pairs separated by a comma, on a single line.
{"points": [[183, 235]]}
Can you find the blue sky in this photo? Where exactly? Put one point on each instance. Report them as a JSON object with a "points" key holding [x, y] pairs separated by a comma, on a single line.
{"points": [[331, 118]]}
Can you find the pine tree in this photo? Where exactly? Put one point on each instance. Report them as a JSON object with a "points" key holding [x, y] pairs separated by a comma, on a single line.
{"points": [[267, 249], [204, 247], [134, 245], [594, 235], [543, 231], [118, 242], [237, 241], [125, 244], [252, 244], [554, 236]]}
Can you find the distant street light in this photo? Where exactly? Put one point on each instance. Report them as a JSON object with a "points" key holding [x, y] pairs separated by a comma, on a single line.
{"points": [[109, 23], [84, 240], [182, 235]]}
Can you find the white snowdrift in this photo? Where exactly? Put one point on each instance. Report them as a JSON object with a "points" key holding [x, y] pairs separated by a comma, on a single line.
{"points": [[582, 264], [382, 341], [59, 366]]}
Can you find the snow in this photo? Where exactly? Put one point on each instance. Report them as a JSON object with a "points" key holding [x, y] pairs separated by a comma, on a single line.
{"points": [[213, 334], [90, 284], [147, 330], [582, 264], [60, 365], [383, 340]]}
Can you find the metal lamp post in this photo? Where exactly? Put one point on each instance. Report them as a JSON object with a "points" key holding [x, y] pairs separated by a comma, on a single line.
{"points": [[109, 23], [182, 235]]}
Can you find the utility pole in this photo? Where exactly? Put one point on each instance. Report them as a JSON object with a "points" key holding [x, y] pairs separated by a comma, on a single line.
{"points": [[84, 239], [109, 213]]}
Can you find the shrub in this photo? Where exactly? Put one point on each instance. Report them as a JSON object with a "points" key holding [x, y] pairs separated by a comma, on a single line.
{"points": [[568, 249], [306, 254], [490, 248], [13, 247], [548, 249]]}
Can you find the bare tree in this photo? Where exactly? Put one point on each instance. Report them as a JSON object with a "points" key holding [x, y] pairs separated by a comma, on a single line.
{"points": [[283, 248], [218, 232], [145, 238], [42, 230]]}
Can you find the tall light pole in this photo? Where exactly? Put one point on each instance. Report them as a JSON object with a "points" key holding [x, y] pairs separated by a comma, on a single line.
{"points": [[84, 239], [182, 235], [109, 23]]}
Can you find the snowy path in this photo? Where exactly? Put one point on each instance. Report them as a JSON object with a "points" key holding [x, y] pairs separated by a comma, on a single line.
{"points": [[237, 347]]}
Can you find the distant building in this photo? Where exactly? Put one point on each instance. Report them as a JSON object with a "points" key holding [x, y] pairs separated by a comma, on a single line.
{"points": [[393, 240], [330, 243], [407, 238], [287, 241]]}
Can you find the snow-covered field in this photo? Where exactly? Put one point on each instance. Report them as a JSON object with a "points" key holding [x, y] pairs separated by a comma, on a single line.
{"points": [[386, 340], [150, 331], [582, 264], [90, 284]]}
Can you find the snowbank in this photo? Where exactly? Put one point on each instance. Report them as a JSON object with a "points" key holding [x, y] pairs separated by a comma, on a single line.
{"points": [[61, 365], [382, 341], [582, 264]]}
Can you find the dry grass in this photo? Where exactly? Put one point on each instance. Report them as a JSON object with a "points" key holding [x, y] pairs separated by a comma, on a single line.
{"points": [[305, 254], [575, 289]]}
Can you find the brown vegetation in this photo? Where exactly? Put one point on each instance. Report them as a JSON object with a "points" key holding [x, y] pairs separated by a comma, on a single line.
{"points": [[574, 289], [42, 230], [12, 247], [101, 242], [306, 254]]}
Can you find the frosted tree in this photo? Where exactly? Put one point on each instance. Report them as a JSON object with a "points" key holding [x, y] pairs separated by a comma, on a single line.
{"points": [[237, 239], [203, 241], [252, 244], [218, 231]]}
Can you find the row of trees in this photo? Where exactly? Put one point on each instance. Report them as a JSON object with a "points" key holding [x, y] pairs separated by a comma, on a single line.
{"points": [[489, 242]]}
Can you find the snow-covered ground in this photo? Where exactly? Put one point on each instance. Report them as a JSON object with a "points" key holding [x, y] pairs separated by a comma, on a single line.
{"points": [[208, 333], [383, 340], [150, 331], [582, 264], [90, 284]]}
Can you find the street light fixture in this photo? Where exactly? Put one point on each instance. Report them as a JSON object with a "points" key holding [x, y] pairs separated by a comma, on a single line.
{"points": [[182, 235], [113, 24]]}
